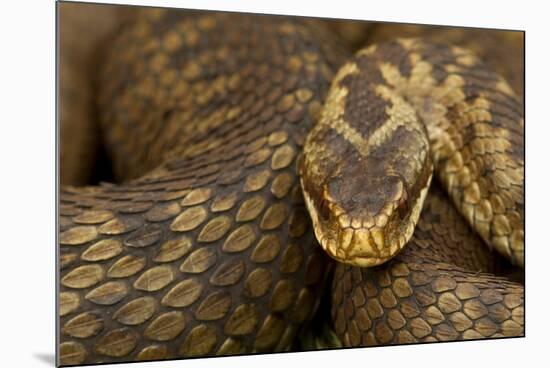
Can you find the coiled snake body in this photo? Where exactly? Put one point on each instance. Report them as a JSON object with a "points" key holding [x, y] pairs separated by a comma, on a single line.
{"points": [[207, 247]]}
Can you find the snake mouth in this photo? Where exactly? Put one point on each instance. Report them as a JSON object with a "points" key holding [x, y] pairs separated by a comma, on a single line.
{"points": [[362, 242]]}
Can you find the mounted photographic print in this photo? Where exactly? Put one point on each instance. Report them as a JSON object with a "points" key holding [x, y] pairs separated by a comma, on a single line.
{"points": [[247, 184]]}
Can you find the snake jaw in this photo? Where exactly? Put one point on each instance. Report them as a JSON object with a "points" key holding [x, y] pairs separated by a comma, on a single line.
{"points": [[369, 240], [343, 238]]}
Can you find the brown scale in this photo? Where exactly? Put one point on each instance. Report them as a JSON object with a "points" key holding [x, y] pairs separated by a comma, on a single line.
{"points": [[211, 252], [441, 287], [433, 290], [502, 50], [474, 123]]}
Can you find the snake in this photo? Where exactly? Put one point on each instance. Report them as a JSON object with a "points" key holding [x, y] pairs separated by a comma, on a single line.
{"points": [[257, 163]]}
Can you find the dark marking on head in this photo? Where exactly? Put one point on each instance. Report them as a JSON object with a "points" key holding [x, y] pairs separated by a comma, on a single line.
{"points": [[365, 110], [395, 54], [365, 184]]}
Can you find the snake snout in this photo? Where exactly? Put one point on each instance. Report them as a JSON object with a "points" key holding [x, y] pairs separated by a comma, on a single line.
{"points": [[361, 227]]}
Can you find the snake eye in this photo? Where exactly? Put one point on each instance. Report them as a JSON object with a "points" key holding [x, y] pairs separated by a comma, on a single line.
{"points": [[402, 205], [324, 210]]}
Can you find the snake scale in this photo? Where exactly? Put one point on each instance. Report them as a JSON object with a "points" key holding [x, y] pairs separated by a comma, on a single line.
{"points": [[228, 134]]}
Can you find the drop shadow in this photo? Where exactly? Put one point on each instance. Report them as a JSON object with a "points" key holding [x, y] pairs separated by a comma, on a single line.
{"points": [[46, 358]]}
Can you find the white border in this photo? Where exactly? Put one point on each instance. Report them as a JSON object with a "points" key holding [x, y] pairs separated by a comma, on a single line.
{"points": [[27, 180]]}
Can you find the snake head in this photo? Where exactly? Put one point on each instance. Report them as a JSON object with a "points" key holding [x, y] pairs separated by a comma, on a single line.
{"points": [[366, 168], [364, 192], [364, 220]]}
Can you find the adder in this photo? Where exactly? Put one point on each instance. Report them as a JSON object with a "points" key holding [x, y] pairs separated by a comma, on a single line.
{"points": [[247, 148]]}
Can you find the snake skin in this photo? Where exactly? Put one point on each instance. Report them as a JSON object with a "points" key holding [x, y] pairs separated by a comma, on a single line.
{"points": [[441, 287], [502, 50], [210, 253], [206, 247], [367, 163]]}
